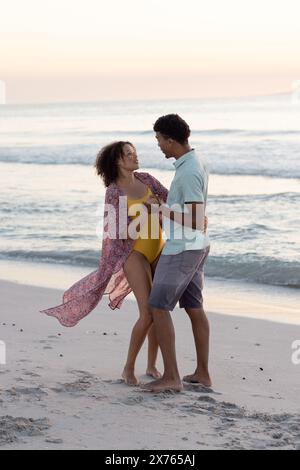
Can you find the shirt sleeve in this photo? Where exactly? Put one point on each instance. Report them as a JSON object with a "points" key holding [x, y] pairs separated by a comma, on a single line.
{"points": [[193, 189]]}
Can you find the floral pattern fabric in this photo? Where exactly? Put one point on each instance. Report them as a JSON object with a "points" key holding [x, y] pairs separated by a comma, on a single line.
{"points": [[83, 296]]}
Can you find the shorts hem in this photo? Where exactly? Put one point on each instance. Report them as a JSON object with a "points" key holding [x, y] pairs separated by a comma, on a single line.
{"points": [[191, 306], [169, 307]]}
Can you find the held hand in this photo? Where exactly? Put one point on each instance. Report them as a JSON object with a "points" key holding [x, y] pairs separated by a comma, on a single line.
{"points": [[205, 224], [152, 205], [153, 200]]}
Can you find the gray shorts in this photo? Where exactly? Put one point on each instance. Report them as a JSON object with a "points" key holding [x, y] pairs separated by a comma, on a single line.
{"points": [[179, 278]]}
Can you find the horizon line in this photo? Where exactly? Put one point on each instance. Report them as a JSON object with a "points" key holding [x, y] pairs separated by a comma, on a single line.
{"points": [[137, 100]]}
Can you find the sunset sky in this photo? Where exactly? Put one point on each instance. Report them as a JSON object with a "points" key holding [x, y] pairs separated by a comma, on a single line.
{"points": [[78, 50]]}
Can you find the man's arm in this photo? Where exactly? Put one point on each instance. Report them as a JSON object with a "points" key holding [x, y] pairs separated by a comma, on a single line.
{"points": [[194, 218]]}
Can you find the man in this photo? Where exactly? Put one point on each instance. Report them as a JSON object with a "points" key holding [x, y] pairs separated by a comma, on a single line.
{"points": [[179, 273]]}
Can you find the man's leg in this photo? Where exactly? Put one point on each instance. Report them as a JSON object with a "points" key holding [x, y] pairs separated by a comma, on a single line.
{"points": [[173, 274], [200, 327], [166, 339]]}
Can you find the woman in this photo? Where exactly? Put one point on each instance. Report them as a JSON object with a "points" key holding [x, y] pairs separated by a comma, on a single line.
{"points": [[126, 265]]}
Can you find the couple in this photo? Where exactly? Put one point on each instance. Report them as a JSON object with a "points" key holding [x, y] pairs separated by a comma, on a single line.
{"points": [[158, 273]]}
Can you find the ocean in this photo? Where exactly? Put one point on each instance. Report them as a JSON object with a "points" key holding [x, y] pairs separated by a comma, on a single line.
{"points": [[51, 201]]}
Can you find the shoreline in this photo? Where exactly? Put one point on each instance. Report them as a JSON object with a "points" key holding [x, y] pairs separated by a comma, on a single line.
{"points": [[223, 296]]}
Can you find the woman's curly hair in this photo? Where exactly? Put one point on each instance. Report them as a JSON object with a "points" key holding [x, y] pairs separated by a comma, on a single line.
{"points": [[107, 161]]}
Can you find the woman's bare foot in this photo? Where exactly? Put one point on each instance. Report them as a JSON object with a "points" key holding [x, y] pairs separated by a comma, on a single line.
{"points": [[129, 377], [153, 372], [196, 378], [163, 385]]}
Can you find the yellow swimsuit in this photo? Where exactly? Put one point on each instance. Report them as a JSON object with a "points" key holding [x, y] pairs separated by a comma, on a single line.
{"points": [[149, 247]]}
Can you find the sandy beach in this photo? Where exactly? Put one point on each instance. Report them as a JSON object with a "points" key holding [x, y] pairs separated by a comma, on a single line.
{"points": [[61, 388]]}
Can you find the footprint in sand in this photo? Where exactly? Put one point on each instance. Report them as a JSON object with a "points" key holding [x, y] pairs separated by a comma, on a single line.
{"points": [[133, 400], [207, 399], [198, 388], [35, 393], [72, 387], [54, 441], [114, 382], [81, 385], [81, 373], [31, 374], [282, 430], [12, 429], [208, 405]]}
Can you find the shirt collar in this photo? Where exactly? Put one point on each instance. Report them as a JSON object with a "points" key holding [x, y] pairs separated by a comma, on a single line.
{"points": [[184, 158]]}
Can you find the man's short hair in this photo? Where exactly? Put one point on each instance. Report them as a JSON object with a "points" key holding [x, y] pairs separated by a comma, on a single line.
{"points": [[174, 127]]}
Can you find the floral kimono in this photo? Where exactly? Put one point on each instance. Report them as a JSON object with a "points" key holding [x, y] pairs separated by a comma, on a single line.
{"points": [[81, 298]]}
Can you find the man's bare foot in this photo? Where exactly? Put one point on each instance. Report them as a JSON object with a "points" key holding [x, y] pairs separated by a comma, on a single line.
{"points": [[163, 385], [129, 377], [153, 372], [200, 379]]}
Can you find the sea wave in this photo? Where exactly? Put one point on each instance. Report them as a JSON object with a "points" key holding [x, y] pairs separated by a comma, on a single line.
{"points": [[251, 268], [235, 161]]}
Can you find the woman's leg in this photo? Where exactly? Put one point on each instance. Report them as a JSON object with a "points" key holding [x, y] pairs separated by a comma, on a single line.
{"points": [[138, 273], [152, 354]]}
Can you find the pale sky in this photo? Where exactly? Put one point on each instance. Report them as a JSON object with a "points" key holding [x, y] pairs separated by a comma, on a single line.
{"points": [[62, 50]]}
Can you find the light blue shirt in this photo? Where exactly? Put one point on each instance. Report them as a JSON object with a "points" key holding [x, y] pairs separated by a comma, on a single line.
{"points": [[190, 184]]}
